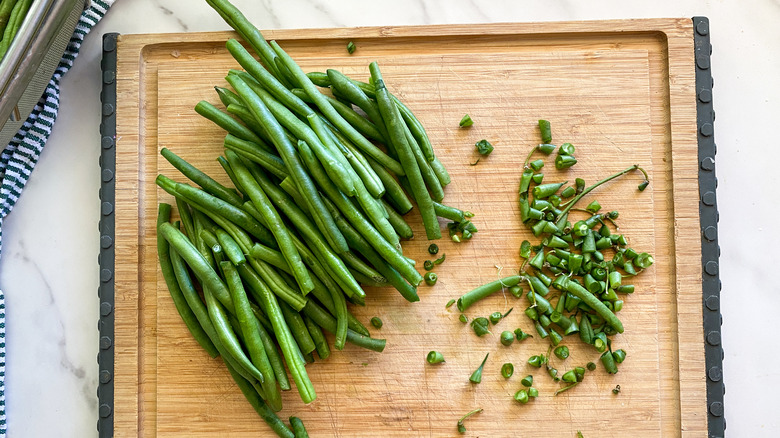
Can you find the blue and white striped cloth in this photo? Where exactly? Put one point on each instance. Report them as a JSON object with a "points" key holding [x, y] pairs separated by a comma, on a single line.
{"points": [[19, 157]]}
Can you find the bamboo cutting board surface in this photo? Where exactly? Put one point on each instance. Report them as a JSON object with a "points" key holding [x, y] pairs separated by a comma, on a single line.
{"points": [[621, 91]]}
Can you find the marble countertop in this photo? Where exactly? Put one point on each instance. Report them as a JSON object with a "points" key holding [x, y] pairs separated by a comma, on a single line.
{"points": [[50, 276]]}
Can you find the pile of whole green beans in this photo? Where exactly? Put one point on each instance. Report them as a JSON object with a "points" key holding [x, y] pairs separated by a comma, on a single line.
{"points": [[12, 15], [316, 212]]}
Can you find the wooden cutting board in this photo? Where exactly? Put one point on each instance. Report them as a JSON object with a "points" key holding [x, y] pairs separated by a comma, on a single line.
{"points": [[621, 91]]}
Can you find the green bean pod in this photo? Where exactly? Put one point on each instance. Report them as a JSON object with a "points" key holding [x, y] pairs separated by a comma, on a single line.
{"points": [[471, 297]]}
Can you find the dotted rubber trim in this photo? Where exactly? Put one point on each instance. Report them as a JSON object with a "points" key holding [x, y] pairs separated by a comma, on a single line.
{"points": [[105, 357], [708, 215]]}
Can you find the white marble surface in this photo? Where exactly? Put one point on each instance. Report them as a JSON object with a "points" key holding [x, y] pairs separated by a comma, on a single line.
{"points": [[49, 271]]}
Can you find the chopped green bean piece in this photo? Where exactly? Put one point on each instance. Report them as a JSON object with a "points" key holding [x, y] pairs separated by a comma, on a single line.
{"points": [[466, 121], [609, 362], [616, 390], [507, 338], [527, 381], [619, 355], [643, 185], [537, 178], [431, 278], [516, 291], [521, 396], [535, 361], [428, 265], [449, 303], [546, 131], [433, 249], [351, 47], [569, 377], [476, 376], [546, 148], [533, 392], [480, 326], [376, 322], [591, 366], [463, 318], [536, 164], [434, 357], [440, 260], [644, 260], [484, 147], [562, 352], [495, 317], [507, 370], [521, 335]]}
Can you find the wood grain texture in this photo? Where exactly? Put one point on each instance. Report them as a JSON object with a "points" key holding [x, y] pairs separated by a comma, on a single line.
{"points": [[621, 91]]}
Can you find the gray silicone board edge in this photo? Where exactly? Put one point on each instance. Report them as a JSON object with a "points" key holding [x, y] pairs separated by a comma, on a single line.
{"points": [[106, 257], [708, 216]]}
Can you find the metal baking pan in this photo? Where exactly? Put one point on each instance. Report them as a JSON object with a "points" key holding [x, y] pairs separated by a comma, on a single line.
{"points": [[32, 57]]}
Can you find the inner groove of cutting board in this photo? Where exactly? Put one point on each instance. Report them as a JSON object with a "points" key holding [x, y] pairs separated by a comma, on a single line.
{"points": [[606, 93]]}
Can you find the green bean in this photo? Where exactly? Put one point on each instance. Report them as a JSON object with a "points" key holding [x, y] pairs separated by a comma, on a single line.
{"points": [[345, 87], [271, 308], [226, 122], [321, 344], [251, 335], [359, 243], [360, 266], [363, 125], [246, 116], [450, 213], [297, 426], [319, 100], [227, 336], [397, 221], [253, 152], [461, 427], [179, 300], [298, 328], [248, 32], [595, 304], [359, 164], [227, 96], [396, 131], [301, 221], [430, 178], [382, 246], [200, 267], [469, 298], [6, 10], [294, 166], [277, 284], [327, 322], [440, 171], [15, 19], [393, 190], [200, 199], [234, 253], [274, 222], [206, 182], [265, 412], [185, 214]]}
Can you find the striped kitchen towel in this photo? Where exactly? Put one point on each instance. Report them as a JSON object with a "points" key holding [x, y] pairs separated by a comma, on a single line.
{"points": [[20, 155]]}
